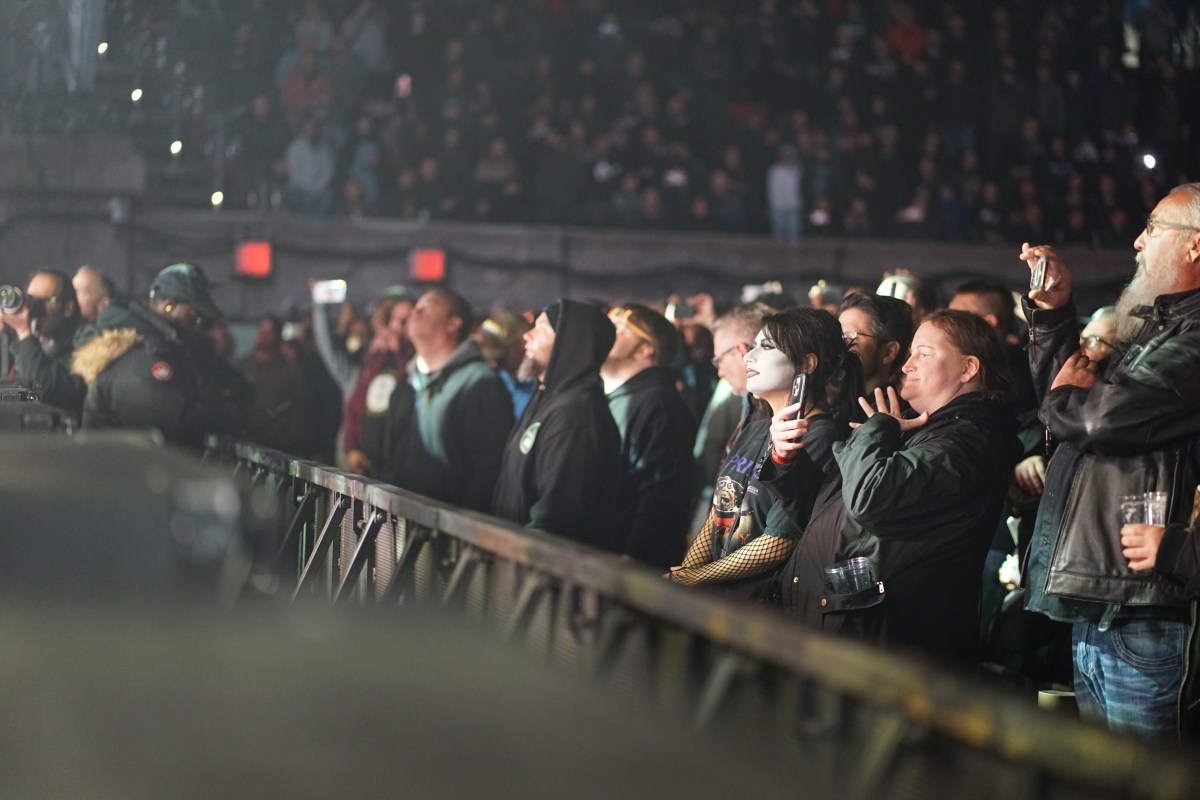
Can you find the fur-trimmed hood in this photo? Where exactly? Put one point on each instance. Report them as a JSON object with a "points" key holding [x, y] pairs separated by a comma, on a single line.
{"points": [[93, 357]]}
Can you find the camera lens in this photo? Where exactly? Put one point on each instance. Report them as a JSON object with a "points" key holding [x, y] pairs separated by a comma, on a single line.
{"points": [[12, 299]]}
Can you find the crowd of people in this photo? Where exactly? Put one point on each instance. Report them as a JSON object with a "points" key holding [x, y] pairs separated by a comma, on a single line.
{"points": [[864, 461], [995, 122]]}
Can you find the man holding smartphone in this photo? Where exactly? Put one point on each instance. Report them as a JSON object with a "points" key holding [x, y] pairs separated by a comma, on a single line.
{"points": [[1129, 428]]}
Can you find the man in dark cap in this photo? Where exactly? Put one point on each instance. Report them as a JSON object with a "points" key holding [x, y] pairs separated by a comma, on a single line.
{"points": [[562, 469], [151, 367]]}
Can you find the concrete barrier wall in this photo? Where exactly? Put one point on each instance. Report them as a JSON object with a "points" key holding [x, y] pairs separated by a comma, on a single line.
{"points": [[493, 265]]}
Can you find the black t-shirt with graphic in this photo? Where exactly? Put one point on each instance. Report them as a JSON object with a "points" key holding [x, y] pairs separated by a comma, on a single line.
{"points": [[743, 508]]}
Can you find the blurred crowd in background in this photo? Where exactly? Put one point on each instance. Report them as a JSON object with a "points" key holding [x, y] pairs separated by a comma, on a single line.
{"points": [[1056, 121]]}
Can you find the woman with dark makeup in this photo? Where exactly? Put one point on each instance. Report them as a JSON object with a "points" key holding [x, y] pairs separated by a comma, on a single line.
{"points": [[751, 530]]}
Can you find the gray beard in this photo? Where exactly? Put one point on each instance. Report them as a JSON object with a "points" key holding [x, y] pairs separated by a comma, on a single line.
{"points": [[1141, 291], [529, 370]]}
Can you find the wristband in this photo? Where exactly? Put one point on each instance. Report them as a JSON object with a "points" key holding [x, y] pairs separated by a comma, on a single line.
{"points": [[778, 459]]}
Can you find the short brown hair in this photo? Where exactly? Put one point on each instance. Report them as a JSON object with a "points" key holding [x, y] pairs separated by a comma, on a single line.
{"points": [[974, 337], [666, 336]]}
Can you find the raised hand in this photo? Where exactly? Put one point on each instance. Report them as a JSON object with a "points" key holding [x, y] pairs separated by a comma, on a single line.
{"points": [[1056, 290], [890, 405]]}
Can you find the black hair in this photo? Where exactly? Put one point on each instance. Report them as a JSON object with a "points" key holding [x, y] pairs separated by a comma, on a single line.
{"points": [[799, 332], [891, 321], [998, 299], [66, 291], [458, 307]]}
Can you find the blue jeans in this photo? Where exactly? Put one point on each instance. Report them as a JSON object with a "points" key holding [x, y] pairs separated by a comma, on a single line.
{"points": [[786, 225], [1130, 675]]}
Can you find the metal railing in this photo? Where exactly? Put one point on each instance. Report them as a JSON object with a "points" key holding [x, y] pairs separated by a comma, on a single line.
{"points": [[843, 714]]}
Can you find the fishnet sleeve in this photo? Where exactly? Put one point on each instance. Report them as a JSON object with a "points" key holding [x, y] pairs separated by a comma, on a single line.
{"points": [[755, 558], [700, 551]]}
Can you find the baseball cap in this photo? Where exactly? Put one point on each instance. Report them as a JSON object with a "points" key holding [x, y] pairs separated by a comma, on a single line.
{"points": [[185, 283]]}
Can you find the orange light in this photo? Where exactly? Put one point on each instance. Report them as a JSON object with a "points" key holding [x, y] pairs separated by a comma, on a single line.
{"points": [[253, 259], [427, 265]]}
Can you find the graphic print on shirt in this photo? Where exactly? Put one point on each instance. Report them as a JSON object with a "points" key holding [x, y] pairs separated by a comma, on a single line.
{"points": [[731, 518]]}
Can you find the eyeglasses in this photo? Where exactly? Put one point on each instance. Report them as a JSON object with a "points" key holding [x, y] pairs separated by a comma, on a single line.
{"points": [[1093, 342], [1152, 225], [622, 315], [716, 362], [849, 337]]}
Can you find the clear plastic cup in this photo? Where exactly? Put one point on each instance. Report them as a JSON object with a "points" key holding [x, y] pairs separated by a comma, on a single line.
{"points": [[850, 576], [859, 574], [1133, 509], [1156, 508]]}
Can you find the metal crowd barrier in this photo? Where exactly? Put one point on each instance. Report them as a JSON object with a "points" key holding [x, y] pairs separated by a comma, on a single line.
{"points": [[876, 724]]}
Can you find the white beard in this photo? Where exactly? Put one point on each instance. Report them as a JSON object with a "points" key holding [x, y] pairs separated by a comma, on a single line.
{"points": [[1141, 291]]}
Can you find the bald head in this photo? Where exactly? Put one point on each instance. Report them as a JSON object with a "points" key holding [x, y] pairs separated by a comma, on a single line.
{"points": [[93, 290]]}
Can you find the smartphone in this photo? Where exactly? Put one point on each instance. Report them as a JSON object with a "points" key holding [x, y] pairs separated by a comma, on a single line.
{"points": [[799, 392], [329, 292], [1037, 276], [677, 311]]}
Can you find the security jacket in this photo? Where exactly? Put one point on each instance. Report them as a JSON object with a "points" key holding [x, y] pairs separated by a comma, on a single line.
{"points": [[140, 373]]}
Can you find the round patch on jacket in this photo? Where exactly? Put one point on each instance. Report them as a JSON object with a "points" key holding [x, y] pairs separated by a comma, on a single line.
{"points": [[379, 393], [162, 371], [528, 438]]}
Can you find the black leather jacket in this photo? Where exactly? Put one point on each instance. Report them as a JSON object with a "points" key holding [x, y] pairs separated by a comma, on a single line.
{"points": [[1136, 430]]}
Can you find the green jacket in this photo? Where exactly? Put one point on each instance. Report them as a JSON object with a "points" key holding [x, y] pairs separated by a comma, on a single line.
{"points": [[444, 433]]}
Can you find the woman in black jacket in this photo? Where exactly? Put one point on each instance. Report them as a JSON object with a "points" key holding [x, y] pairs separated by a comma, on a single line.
{"points": [[750, 531], [920, 497]]}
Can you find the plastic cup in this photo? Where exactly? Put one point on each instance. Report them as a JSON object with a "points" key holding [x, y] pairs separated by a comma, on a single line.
{"points": [[1133, 509], [1156, 508], [859, 574], [837, 578], [850, 576]]}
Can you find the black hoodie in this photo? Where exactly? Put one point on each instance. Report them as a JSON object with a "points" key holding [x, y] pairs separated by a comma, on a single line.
{"points": [[562, 470]]}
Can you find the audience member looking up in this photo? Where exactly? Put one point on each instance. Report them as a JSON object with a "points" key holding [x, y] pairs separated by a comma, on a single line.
{"points": [[657, 432], [562, 470], [448, 419]]}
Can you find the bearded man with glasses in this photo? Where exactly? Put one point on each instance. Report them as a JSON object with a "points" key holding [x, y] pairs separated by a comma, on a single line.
{"points": [[1127, 427]]}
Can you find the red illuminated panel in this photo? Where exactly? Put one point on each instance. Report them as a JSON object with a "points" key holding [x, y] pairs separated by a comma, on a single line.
{"points": [[427, 265], [253, 259]]}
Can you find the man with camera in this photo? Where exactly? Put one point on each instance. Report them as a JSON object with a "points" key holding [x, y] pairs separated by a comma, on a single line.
{"points": [[43, 318]]}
